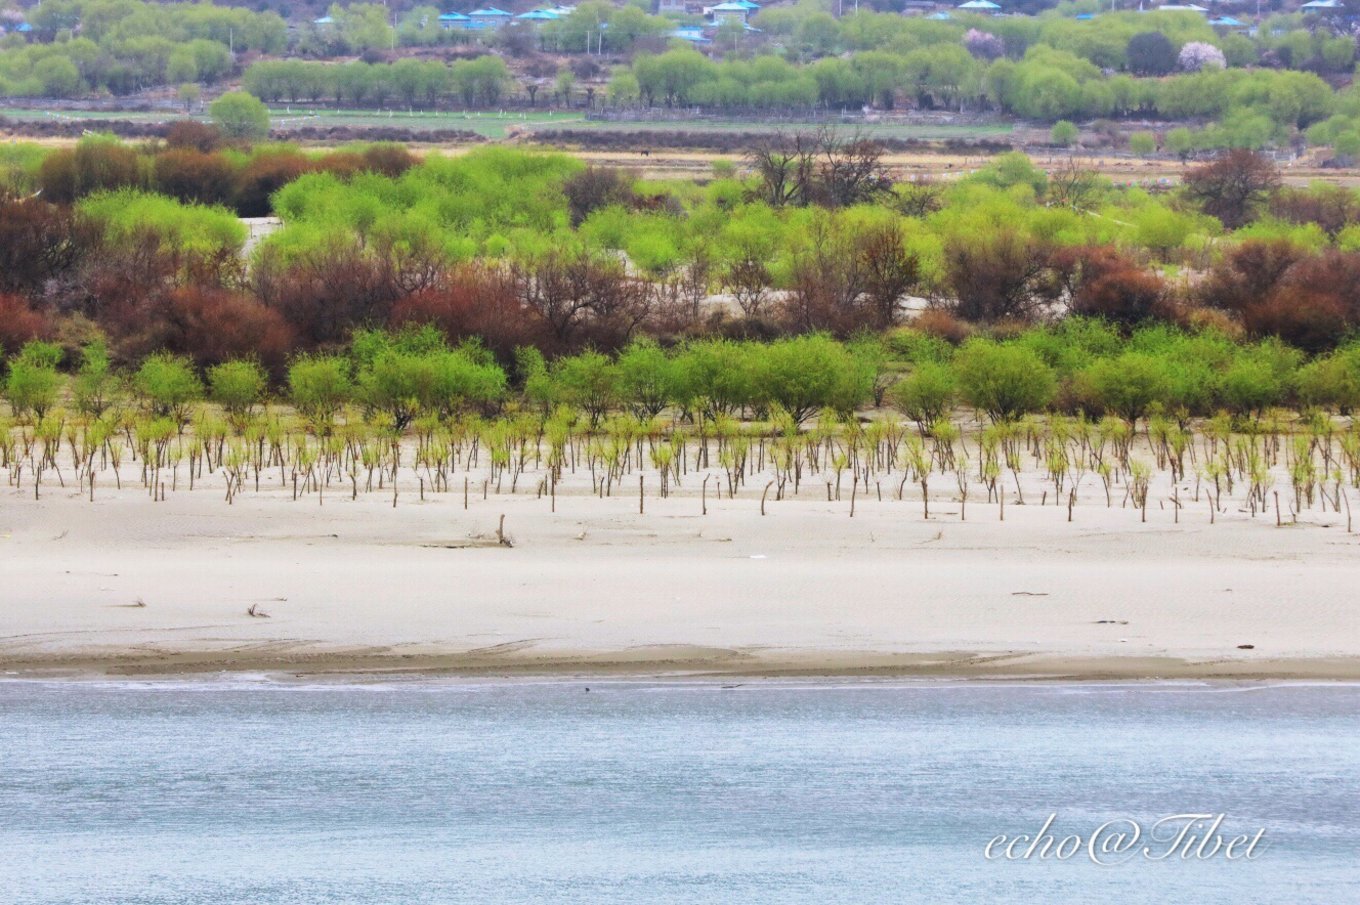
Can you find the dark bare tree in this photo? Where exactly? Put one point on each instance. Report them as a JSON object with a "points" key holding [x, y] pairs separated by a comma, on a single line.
{"points": [[889, 271], [1233, 186], [1008, 277], [1073, 186]]}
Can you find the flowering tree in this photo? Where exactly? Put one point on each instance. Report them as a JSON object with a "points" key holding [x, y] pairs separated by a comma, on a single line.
{"points": [[983, 45], [1198, 55]]}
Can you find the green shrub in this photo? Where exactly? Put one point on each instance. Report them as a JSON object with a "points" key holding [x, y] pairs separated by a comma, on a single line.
{"points": [[1003, 380], [237, 386], [168, 386], [806, 374], [1127, 386], [927, 393], [33, 384], [320, 385]]}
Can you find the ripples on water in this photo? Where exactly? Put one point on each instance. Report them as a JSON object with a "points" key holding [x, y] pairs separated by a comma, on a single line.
{"points": [[240, 791]]}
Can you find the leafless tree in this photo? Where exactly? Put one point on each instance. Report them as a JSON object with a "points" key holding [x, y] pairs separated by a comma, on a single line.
{"points": [[889, 271]]}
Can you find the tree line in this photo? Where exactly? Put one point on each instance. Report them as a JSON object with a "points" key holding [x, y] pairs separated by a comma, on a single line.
{"points": [[526, 249], [1079, 367]]}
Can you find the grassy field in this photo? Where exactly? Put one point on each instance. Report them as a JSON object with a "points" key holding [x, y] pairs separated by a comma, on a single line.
{"points": [[489, 125], [880, 130], [496, 125]]}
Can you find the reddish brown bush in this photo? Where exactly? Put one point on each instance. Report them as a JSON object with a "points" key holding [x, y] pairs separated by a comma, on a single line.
{"points": [[1335, 272], [195, 177], [39, 242], [940, 323], [1201, 319], [1125, 295], [264, 175], [828, 288], [1248, 273], [329, 292], [122, 285], [890, 271], [582, 300], [344, 164], [194, 136], [388, 159], [92, 166], [475, 301], [594, 188], [57, 181], [19, 323], [213, 325], [1233, 187], [1007, 277], [1312, 320], [1331, 207]]}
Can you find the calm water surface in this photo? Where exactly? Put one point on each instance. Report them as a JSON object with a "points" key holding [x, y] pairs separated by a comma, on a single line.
{"points": [[241, 790]]}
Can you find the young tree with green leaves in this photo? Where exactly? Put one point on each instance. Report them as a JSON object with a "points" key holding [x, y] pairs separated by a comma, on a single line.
{"points": [[1003, 380], [33, 385], [168, 386], [240, 116], [320, 385], [237, 386], [926, 394]]}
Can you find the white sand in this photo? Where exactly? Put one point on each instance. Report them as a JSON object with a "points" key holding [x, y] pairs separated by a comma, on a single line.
{"points": [[596, 587]]}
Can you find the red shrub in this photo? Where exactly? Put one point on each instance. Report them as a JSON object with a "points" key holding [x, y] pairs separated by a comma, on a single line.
{"points": [[1124, 297], [1312, 320], [213, 325], [328, 292], [39, 242], [1331, 207], [1233, 186], [343, 164], [1248, 273], [194, 135], [1007, 277], [388, 159], [941, 324], [19, 323], [195, 177], [475, 301], [264, 175], [1336, 272]]}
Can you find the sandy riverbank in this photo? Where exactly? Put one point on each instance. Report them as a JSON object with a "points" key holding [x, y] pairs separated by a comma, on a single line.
{"points": [[598, 588]]}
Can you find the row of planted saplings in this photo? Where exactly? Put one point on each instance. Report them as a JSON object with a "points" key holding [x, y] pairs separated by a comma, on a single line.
{"points": [[1319, 456]]}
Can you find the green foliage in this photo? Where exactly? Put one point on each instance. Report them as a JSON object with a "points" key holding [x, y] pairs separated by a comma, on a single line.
{"points": [[806, 374], [33, 384], [240, 116], [1003, 380], [927, 393], [168, 386], [1333, 381], [320, 385], [1127, 386], [1142, 143], [589, 381], [237, 386], [94, 382], [648, 378], [716, 377], [127, 217], [131, 45], [1064, 133]]}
